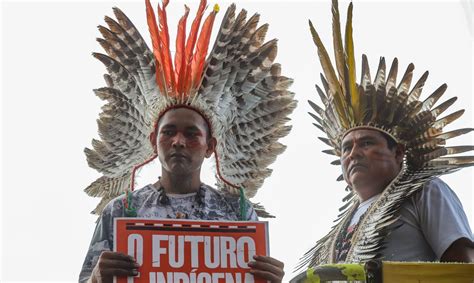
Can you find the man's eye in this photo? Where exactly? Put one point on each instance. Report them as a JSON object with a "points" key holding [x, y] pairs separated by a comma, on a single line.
{"points": [[167, 132]]}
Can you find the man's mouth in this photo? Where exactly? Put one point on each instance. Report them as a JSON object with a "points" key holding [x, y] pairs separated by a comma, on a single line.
{"points": [[178, 155], [357, 167]]}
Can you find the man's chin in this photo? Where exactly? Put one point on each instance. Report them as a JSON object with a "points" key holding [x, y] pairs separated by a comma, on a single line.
{"points": [[179, 169], [359, 178]]}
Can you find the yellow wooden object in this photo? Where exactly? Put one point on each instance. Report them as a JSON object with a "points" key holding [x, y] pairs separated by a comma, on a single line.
{"points": [[424, 272]]}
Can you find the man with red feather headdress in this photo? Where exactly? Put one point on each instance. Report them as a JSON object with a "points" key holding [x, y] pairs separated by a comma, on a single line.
{"points": [[234, 104]]}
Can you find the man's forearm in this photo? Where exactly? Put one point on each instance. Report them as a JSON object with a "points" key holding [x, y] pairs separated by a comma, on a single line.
{"points": [[461, 250]]}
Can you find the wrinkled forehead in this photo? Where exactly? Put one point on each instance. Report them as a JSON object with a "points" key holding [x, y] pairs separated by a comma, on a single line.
{"points": [[364, 132]]}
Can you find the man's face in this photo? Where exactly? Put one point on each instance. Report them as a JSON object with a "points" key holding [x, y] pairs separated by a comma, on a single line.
{"points": [[183, 142], [367, 161]]}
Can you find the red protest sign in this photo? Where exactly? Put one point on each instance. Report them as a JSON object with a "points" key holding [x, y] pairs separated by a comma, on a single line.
{"points": [[188, 251]]}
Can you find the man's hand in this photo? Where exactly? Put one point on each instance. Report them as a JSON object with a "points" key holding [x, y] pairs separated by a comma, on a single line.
{"points": [[265, 267], [112, 264]]}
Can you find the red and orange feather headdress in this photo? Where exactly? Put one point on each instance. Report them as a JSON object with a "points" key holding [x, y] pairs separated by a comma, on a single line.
{"points": [[238, 89]]}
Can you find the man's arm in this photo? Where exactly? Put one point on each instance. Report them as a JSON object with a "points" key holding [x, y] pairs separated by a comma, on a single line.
{"points": [[101, 264], [264, 267], [444, 223], [100, 242], [462, 250]]}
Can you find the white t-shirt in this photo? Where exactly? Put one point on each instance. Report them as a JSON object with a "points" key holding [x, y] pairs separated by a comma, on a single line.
{"points": [[430, 221], [363, 206]]}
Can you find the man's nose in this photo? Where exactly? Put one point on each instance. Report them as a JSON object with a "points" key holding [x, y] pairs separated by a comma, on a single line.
{"points": [[356, 152], [178, 140]]}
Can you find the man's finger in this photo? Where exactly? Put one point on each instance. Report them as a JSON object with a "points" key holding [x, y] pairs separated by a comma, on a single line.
{"points": [[117, 256], [269, 260], [119, 272], [267, 267], [266, 275], [121, 264]]}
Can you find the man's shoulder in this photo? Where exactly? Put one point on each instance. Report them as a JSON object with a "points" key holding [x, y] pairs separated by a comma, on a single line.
{"points": [[436, 184], [117, 202], [221, 199], [436, 188], [434, 191], [143, 192], [223, 194]]}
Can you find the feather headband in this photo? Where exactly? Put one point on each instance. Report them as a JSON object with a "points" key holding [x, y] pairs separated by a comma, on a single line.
{"points": [[381, 104]]}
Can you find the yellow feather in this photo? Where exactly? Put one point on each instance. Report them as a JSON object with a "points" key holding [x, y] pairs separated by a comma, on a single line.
{"points": [[351, 66], [337, 41], [334, 87]]}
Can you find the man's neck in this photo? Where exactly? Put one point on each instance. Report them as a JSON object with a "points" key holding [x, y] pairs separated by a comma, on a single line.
{"points": [[179, 184], [367, 190], [366, 193]]}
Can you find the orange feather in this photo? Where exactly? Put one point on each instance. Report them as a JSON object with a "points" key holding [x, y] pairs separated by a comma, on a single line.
{"points": [[201, 48], [191, 42], [190, 54], [165, 50], [155, 39], [180, 56]]}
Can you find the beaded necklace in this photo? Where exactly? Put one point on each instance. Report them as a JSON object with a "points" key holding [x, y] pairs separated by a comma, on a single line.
{"points": [[196, 208]]}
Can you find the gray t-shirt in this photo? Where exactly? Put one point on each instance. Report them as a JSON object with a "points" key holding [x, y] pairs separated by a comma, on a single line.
{"points": [[216, 205], [431, 220]]}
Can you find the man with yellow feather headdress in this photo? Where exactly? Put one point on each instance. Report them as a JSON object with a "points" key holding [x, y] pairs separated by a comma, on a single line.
{"points": [[391, 148]]}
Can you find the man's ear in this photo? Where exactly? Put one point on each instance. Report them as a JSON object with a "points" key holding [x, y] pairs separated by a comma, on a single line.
{"points": [[153, 139], [399, 153], [211, 146]]}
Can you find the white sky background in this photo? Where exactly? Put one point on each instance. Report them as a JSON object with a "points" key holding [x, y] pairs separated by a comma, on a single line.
{"points": [[49, 115]]}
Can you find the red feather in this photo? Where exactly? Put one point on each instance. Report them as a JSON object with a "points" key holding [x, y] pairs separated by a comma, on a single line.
{"points": [[165, 38], [179, 58], [191, 42], [188, 63], [201, 48], [155, 39]]}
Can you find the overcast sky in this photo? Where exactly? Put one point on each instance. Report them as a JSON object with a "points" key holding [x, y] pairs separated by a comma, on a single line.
{"points": [[49, 115]]}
